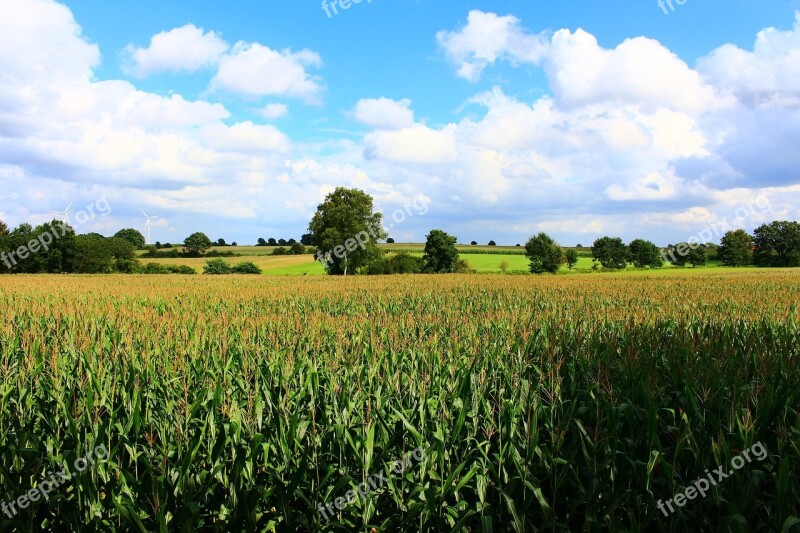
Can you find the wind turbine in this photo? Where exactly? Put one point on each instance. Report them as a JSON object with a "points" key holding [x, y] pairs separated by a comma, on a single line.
{"points": [[147, 224], [63, 214]]}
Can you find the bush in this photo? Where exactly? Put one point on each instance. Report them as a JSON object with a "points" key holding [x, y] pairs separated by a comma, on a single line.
{"points": [[279, 251], [296, 249], [216, 267], [154, 268], [180, 269], [246, 268], [462, 267]]}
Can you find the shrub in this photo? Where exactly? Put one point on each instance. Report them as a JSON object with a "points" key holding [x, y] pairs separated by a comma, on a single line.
{"points": [[246, 268], [217, 267]]}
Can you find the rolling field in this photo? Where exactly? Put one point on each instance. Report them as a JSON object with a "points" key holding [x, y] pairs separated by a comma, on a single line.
{"points": [[554, 403]]}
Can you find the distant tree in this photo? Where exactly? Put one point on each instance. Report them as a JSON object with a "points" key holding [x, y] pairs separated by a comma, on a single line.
{"points": [[474, 243], [544, 254], [221, 242], [610, 252], [572, 258], [346, 230], [261, 242], [697, 256], [159, 245], [518, 245], [777, 244], [291, 241], [282, 242], [441, 255], [736, 248], [272, 242], [167, 245], [307, 239], [297, 249], [644, 254], [197, 243], [389, 241], [234, 243], [279, 251], [132, 236], [579, 245], [492, 243]]}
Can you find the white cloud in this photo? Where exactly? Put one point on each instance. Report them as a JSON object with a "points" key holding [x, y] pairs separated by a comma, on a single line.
{"points": [[769, 75], [488, 38], [253, 69], [244, 137], [417, 144], [384, 113], [184, 49], [273, 111]]}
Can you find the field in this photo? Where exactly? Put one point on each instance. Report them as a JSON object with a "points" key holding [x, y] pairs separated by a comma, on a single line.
{"points": [[557, 403]]}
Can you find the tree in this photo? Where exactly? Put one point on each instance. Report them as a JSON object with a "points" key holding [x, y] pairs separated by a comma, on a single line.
{"points": [[197, 243], [346, 231], [572, 259], [217, 267], [261, 242], [544, 254], [279, 251], [474, 243], [132, 236], [297, 249], [282, 242], [3, 229], [221, 242], [777, 244], [246, 268], [492, 243], [234, 243], [736, 248], [389, 241], [290, 242], [307, 239], [272, 242], [441, 255], [644, 254], [610, 252], [697, 255]]}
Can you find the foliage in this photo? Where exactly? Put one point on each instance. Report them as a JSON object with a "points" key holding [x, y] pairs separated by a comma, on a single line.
{"points": [[610, 252], [777, 244], [217, 267], [736, 248], [197, 244], [246, 268], [572, 258], [441, 255], [133, 236], [296, 249], [279, 251], [399, 263], [644, 253], [345, 215], [544, 254]]}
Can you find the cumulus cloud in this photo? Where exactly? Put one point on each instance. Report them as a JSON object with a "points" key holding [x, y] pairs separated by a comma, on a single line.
{"points": [[416, 144], [273, 111], [767, 76], [252, 69], [184, 49], [384, 113], [488, 38]]}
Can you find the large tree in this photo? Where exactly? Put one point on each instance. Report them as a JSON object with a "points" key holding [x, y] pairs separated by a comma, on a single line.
{"points": [[132, 236], [544, 254], [777, 244], [611, 252], [197, 243], [441, 255], [644, 254], [736, 248], [346, 230]]}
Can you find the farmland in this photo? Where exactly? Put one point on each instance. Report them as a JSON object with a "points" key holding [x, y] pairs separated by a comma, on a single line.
{"points": [[541, 403]]}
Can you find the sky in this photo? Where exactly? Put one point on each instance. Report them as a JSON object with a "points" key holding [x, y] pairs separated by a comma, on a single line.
{"points": [[502, 118]]}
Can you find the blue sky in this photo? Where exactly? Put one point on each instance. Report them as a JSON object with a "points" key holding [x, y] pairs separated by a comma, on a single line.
{"points": [[506, 117]]}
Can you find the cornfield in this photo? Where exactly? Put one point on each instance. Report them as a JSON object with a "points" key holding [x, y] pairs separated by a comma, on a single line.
{"points": [[570, 403]]}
